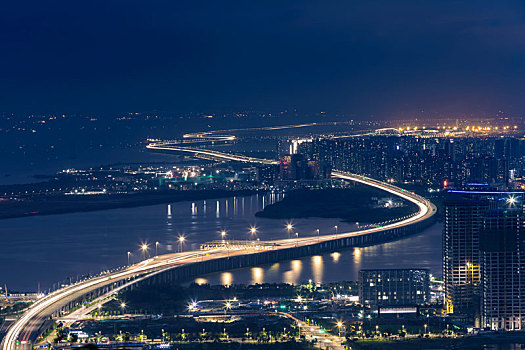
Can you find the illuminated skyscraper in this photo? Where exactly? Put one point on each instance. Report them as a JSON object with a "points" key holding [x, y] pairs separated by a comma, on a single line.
{"points": [[483, 244], [502, 244], [461, 255]]}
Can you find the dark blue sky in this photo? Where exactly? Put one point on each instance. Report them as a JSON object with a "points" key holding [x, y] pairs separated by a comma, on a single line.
{"points": [[385, 58]]}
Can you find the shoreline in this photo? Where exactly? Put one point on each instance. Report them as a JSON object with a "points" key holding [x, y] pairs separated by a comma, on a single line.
{"points": [[61, 204]]}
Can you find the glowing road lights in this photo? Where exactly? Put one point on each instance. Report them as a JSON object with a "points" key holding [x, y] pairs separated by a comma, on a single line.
{"points": [[181, 242], [129, 254], [511, 200], [192, 306], [227, 306], [223, 235], [157, 248], [144, 247], [335, 227], [289, 228], [253, 231], [339, 326], [123, 305]]}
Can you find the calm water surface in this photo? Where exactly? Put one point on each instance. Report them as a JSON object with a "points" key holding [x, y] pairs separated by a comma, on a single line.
{"points": [[49, 249]]}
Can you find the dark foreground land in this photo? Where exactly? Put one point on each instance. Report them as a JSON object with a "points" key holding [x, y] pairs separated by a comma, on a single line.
{"points": [[289, 345], [465, 343], [353, 205], [61, 204], [236, 346]]}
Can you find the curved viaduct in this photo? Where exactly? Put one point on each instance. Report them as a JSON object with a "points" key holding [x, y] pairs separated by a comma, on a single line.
{"points": [[182, 266]]}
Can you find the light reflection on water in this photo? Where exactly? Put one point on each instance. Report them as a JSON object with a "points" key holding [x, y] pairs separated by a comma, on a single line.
{"points": [[48, 249], [419, 251]]}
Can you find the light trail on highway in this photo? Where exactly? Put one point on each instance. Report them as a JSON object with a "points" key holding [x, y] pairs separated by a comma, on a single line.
{"points": [[25, 329]]}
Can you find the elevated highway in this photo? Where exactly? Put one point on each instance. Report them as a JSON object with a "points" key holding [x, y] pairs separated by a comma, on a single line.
{"points": [[176, 147], [23, 332]]}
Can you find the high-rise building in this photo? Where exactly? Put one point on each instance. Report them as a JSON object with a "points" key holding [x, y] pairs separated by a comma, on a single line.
{"points": [[461, 255], [483, 260], [389, 287], [502, 244]]}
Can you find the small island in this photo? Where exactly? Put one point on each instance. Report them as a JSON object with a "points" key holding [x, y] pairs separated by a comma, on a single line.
{"points": [[361, 204]]}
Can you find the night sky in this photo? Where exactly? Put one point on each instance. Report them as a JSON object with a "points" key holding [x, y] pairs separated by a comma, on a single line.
{"points": [[383, 58]]}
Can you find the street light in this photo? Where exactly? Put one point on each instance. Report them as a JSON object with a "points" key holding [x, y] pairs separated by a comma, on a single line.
{"points": [[156, 248], [144, 248], [339, 326], [181, 242], [289, 228], [335, 229], [296, 238], [318, 237], [223, 235], [129, 254], [253, 231]]}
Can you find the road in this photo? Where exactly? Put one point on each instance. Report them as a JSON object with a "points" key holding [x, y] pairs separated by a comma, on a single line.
{"points": [[323, 339], [198, 152], [27, 328]]}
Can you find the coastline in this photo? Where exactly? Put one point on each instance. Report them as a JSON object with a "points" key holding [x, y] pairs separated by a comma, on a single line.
{"points": [[61, 204]]}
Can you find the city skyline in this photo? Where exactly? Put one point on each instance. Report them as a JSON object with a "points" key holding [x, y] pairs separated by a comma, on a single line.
{"points": [[326, 175]]}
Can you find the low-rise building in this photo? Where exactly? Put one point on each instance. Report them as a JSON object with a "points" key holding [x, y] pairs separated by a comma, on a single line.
{"points": [[388, 287]]}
